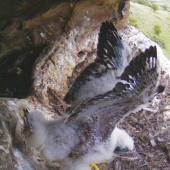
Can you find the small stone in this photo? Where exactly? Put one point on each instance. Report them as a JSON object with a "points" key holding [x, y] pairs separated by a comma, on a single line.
{"points": [[153, 143]]}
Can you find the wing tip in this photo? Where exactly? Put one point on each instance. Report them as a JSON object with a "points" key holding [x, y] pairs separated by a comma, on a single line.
{"points": [[106, 27], [142, 69], [160, 89]]}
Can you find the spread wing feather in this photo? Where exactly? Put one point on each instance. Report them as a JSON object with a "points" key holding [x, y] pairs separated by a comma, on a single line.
{"points": [[111, 59], [138, 86], [111, 47]]}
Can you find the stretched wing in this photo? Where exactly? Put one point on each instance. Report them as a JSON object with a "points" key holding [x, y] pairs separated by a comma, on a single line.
{"points": [[137, 87], [99, 77], [112, 49]]}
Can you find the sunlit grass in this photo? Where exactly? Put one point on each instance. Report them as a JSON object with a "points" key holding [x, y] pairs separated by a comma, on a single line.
{"points": [[146, 19]]}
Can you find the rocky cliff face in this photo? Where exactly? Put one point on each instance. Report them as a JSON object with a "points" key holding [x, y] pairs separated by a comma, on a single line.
{"points": [[38, 56], [62, 35]]}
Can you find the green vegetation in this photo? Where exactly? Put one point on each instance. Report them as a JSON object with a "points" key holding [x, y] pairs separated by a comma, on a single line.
{"points": [[162, 4], [154, 7], [159, 41], [143, 2], [133, 21], [157, 29], [155, 25]]}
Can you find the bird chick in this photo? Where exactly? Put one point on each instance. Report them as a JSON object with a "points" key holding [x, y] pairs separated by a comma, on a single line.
{"points": [[89, 133], [119, 143], [56, 141]]}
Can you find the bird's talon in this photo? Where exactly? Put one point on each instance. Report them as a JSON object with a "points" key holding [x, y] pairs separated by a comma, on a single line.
{"points": [[94, 166]]}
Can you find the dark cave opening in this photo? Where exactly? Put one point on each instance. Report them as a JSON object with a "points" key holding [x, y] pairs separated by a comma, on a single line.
{"points": [[16, 73]]}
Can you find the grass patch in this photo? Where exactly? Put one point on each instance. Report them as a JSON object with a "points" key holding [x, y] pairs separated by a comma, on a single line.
{"points": [[159, 41], [142, 2], [154, 7], [133, 21], [146, 19], [157, 29]]}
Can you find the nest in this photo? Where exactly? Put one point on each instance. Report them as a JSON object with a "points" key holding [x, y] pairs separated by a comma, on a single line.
{"points": [[151, 133]]}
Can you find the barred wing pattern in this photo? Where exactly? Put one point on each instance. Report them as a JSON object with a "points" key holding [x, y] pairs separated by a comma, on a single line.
{"points": [[100, 76], [111, 48], [137, 87]]}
